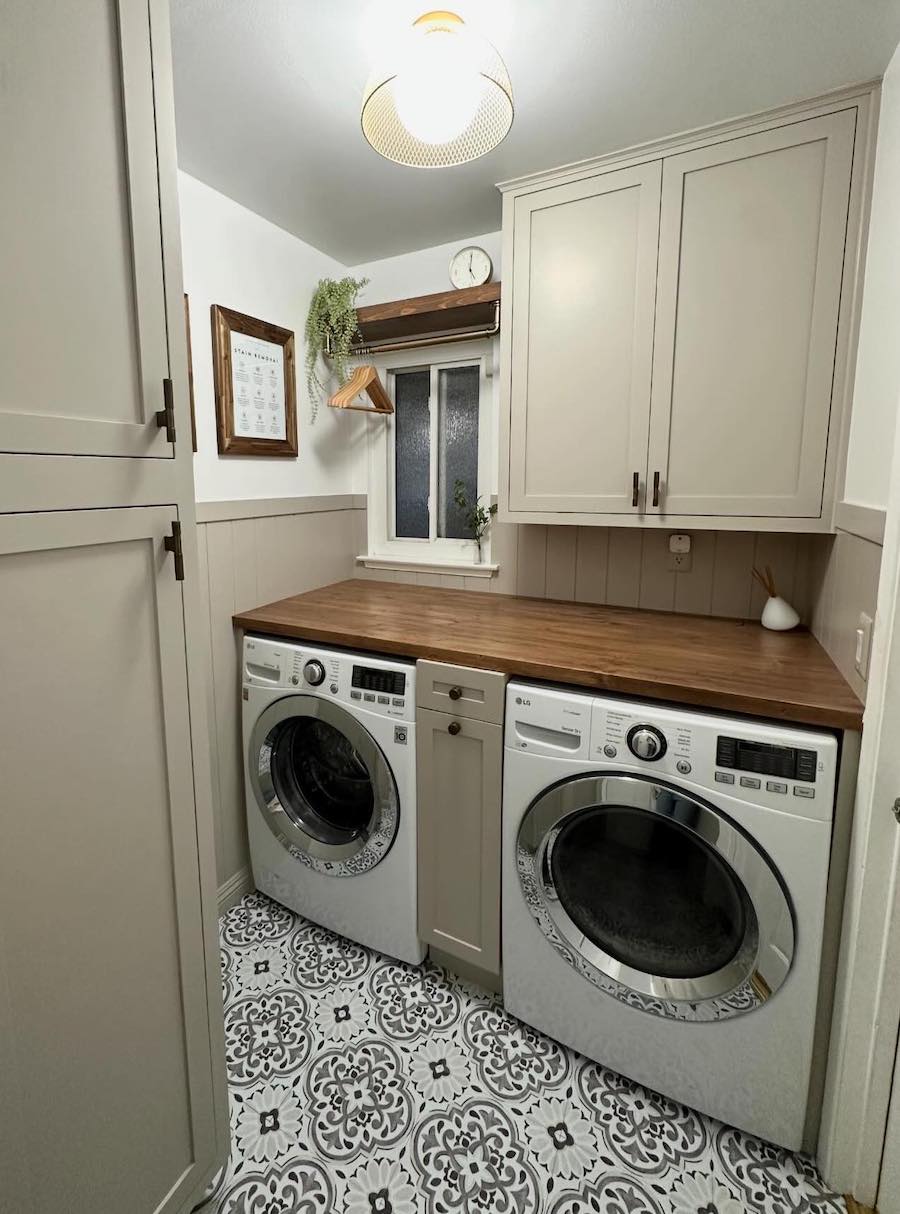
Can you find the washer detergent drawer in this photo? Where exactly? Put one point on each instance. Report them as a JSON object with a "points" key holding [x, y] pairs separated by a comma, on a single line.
{"points": [[464, 691]]}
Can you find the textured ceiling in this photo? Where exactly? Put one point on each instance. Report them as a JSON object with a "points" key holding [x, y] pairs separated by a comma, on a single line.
{"points": [[268, 92]]}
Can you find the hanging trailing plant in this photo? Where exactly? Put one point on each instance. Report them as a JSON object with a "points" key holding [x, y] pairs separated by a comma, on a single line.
{"points": [[331, 326]]}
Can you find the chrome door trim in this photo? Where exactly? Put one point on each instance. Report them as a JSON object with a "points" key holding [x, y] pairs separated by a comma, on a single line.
{"points": [[336, 860], [762, 961]]}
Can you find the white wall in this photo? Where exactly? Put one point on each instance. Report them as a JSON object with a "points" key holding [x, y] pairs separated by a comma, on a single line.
{"points": [[422, 272], [233, 257], [877, 390]]}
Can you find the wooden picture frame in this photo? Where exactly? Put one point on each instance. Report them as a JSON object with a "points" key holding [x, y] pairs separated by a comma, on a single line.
{"points": [[190, 369], [270, 401]]}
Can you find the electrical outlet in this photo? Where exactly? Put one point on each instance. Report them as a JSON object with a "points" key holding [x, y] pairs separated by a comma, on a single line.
{"points": [[863, 645], [679, 553]]}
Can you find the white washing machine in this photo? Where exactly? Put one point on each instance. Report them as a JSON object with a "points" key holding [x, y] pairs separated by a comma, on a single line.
{"points": [[329, 757], [664, 880]]}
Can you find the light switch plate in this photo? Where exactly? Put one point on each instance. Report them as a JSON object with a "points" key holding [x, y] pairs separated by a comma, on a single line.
{"points": [[863, 645]]}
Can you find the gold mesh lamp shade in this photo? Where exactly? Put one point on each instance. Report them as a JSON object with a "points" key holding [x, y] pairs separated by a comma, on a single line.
{"points": [[442, 97]]}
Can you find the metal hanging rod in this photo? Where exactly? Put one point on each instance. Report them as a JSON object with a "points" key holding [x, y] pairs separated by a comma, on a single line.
{"points": [[416, 343]]}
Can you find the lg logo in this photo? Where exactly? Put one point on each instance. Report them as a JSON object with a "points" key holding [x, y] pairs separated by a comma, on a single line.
{"points": [[522, 701]]}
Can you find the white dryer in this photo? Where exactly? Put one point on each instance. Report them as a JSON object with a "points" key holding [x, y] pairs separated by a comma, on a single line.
{"points": [[664, 880], [329, 750]]}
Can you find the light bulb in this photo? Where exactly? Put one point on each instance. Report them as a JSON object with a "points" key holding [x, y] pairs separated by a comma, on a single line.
{"points": [[437, 91]]}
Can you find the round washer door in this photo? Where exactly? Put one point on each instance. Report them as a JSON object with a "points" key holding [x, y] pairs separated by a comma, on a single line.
{"points": [[323, 785], [655, 897]]}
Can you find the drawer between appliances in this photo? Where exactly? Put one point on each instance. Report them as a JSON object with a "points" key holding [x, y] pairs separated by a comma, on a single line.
{"points": [[461, 690]]}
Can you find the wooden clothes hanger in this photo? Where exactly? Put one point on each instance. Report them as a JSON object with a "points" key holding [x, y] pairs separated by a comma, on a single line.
{"points": [[363, 379]]}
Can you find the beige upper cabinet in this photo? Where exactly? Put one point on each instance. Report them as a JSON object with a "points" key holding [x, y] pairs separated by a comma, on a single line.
{"points": [[751, 258], [682, 325], [110, 1008], [584, 279], [83, 339]]}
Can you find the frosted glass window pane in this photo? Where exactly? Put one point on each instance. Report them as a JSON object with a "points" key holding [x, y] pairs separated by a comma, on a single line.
{"points": [[457, 445], [412, 453]]}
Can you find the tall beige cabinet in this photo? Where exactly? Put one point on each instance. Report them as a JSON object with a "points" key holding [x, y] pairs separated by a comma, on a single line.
{"points": [[111, 1041]]}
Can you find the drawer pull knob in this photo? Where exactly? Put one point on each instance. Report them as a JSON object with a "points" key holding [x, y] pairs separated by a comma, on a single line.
{"points": [[453, 728], [455, 693]]}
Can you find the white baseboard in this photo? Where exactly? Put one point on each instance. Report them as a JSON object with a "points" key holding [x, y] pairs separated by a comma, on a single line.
{"points": [[232, 890]]}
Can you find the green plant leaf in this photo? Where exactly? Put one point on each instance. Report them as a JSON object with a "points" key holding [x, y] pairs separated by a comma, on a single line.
{"points": [[331, 315]]}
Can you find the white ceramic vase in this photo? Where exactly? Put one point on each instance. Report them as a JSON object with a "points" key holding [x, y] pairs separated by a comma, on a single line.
{"points": [[779, 615]]}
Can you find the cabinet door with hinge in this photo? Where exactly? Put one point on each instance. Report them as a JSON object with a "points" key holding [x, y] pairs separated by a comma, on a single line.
{"points": [[459, 783], [751, 260], [83, 340], [109, 996], [584, 265]]}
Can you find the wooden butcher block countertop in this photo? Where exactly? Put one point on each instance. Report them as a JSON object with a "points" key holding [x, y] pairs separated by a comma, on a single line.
{"points": [[712, 663]]}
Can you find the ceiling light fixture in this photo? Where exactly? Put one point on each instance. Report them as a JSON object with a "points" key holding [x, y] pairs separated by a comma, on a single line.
{"points": [[442, 99]]}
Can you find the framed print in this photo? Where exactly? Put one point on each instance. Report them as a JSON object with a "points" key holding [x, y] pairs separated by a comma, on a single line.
{"points": [[255, 385]]}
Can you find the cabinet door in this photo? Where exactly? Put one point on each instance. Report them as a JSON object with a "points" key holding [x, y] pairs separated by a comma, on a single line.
{"points": [[751, 258], [582, 342], [459, 782], [83, 340], [105, 1010]]}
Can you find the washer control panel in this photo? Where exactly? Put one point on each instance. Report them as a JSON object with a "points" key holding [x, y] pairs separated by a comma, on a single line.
{"points": [[357, 680]]}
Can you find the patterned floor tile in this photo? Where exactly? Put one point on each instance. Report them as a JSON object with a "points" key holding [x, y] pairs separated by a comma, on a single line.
{"points": [[359, 1085]]}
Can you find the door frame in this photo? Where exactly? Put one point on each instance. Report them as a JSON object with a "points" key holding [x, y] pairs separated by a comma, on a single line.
{"points": [[867, 998]]}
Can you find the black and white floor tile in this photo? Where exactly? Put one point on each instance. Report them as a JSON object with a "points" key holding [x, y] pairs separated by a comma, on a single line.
{"points": [[363, 1086]]}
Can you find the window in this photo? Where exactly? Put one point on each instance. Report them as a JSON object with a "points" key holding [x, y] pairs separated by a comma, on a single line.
{"points": [[439, 434]]}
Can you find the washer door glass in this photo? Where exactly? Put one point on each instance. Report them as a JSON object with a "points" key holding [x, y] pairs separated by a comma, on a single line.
{"points": [[655, 896], [323, 786], [321, 780]]}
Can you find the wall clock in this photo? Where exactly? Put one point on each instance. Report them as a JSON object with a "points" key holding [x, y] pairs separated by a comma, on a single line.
{"points": [[470, 267]]}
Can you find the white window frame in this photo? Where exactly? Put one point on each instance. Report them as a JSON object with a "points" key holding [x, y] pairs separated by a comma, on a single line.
{"points": [[435, 554]]}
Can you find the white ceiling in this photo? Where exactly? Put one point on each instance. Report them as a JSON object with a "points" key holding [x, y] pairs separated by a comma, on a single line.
{"points": [[268, 92]]}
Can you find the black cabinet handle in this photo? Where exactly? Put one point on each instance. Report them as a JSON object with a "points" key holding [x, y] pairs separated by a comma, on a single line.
{"points": [[635, 488], [453, 728], [455, 693], [655, 488]]}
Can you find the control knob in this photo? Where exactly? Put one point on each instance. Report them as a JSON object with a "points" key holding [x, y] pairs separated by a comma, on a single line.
{"points": [[646, 742], [314, 673]]}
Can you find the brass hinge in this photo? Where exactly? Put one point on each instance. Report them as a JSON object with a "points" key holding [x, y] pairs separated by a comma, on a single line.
{"points": [[173, 544], [165, 417]]}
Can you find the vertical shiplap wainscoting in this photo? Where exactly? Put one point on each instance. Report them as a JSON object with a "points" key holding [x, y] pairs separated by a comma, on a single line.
{"points": [[630, 568], [252, 552]]}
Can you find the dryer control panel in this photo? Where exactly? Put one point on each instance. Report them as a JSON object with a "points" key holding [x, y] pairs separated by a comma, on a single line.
{"points": [[785, 768]]}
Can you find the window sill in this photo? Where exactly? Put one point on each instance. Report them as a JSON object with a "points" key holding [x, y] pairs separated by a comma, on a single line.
{"points": [[403, 563]]}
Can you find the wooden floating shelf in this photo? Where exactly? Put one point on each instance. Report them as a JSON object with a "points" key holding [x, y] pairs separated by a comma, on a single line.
{"points": [[444, 312]]}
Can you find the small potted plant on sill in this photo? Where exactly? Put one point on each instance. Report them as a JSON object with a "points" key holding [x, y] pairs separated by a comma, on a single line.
{"points": [[476, 518], [331, 326]]}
